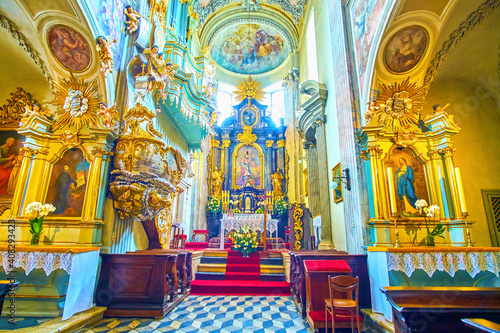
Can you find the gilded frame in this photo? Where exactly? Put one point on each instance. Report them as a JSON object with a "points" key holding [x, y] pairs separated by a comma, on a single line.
{"points": [[262, 162], [338, 194], [49, 32], [254, 109]]}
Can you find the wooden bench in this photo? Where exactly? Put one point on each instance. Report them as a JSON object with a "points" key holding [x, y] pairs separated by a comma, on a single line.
{"points": [[138, 284], [6, 286], [440, 309], [358, 265], [482, 325]]}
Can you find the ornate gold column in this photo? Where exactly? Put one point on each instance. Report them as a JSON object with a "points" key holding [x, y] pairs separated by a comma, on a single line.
{"points": [[94, 184], [374, 153], [28, 154], [450, 170]]}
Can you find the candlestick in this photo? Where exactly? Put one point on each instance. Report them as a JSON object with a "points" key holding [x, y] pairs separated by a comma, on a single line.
{"points": [[392, 193], [467, 231], [396, 232], [460, 187]]}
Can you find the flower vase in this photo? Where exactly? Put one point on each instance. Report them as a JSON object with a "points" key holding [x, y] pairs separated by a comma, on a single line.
{"points": [[430, 240], [35, 239], [245, 254]]}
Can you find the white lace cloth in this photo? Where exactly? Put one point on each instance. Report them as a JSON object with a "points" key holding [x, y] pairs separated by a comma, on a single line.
{"points": [[254, 221], [28, 261], [450, 262]]}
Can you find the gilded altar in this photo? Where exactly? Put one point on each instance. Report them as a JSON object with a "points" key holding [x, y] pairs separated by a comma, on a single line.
{"points": [[408, 158]]}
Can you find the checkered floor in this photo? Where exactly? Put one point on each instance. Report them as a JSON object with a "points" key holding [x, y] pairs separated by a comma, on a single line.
{"points": [[216, 314]]}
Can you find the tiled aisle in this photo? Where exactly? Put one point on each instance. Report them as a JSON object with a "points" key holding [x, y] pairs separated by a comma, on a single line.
{"points": [[216, 314]]}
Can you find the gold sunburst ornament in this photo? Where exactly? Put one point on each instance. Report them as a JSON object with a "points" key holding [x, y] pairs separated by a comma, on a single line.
{"points": [[397, 106], [248, 89], [76, 101]]}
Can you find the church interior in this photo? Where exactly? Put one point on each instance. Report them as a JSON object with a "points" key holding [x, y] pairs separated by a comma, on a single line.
{"points": [[251, 166]]}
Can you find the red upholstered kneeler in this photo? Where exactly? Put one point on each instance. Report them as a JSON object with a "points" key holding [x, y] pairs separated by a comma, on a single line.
{"points": [[317, 290]]}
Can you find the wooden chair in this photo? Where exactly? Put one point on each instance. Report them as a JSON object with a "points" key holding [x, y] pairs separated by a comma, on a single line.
{"points": [[347, 285]]}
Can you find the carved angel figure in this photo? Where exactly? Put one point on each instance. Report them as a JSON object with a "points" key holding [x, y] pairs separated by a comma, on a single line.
{"points": [[105, 54], [107, 114], [75, 103], [372, 111], [131, 19], [160, 74], [34, 109]]}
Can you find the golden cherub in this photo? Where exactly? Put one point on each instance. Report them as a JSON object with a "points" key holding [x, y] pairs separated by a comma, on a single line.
{"points": [[107, 114], [34, 109], [105, 54]]}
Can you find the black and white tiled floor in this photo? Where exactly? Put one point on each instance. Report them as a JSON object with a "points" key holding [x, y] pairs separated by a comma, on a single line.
{"points": [[236, 314]]}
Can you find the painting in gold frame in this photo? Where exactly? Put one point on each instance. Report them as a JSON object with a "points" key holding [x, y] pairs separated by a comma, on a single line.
{"points": [[248, 166], [70, 49], [336, 174]]}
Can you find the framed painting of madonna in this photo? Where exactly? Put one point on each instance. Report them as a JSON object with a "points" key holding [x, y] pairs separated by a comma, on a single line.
{"points": [[410, 181], [10, 162]]}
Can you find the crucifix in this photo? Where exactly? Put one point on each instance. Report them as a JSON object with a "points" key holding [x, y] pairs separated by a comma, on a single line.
{"points": [[263, 238]]}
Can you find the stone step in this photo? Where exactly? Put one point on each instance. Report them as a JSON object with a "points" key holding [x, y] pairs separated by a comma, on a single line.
{"points": [[220, 268]]}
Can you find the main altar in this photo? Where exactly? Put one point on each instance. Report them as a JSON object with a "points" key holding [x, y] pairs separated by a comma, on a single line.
{"points": [[248, 167], [255, 222]]}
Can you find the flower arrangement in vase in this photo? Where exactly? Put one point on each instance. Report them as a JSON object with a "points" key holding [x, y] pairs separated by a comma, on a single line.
{"points": [[214, 205], [245, 240], [281, 205], [36, 223], [430, 212]]}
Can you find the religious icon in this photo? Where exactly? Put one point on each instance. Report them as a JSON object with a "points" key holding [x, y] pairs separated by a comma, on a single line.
{"points": [[249, 117], [405, 49], [10, 161], [336, 174], [247, 167], [105, 54], [68, 184], [69, 48], [410, 181]]}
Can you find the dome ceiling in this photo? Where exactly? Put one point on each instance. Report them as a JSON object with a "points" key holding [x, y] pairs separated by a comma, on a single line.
{"points": [[252, 46], [249, 36]]}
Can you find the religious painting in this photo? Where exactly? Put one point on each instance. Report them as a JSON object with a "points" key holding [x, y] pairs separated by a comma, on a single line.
{"points": [[410, 182], [248, 167], [366, 16], [336, 176], [68, 184], [70, 48], [250, 48], [10, 162], [405, 49], [249, 116]]}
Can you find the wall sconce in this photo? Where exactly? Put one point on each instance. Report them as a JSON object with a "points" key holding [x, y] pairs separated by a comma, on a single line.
{"points": [[345, 178]]}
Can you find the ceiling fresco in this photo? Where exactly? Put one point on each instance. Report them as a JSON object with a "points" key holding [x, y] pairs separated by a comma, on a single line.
{"points": [[249, 48]]}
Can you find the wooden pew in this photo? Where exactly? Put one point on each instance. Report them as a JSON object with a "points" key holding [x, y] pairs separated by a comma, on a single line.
{"points": [[357, 262], [482, 325], [440, 309], [138, 284], [6, 287]]}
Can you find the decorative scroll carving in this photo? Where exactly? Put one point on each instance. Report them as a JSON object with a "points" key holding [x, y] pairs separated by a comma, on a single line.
{"points": [[140, 194], [407, 136], [70, 139], [297, 227], [76, 101], [22, 104], [247, 137]]}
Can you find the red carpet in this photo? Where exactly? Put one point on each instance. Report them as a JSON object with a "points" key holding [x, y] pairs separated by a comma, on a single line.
{"points": [[238, 287], [240, 268]]}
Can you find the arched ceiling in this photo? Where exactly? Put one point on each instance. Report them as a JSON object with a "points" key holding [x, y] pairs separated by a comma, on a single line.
{"points": [[31, 66], [257, 42]]}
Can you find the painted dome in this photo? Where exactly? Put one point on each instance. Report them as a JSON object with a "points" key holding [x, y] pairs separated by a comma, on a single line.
{"points": [[253, 47]]}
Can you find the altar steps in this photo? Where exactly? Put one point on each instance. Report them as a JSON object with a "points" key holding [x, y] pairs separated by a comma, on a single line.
{"points": [[228, 273]]}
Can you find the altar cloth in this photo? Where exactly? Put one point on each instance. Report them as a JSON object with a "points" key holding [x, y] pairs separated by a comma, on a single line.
{"points": [[254, 221]]}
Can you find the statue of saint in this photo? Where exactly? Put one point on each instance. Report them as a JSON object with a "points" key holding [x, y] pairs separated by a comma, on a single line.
{"points": [[217, 180], [277, 181]]}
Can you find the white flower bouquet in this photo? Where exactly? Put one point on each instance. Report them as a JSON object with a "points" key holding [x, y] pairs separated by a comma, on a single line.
{"points": [[36, 223]]}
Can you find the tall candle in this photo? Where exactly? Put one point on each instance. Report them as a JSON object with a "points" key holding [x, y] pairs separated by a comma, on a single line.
{"points": [[460, 187], [392, 192]]}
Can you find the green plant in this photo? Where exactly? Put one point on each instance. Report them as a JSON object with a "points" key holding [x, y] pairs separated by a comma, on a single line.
{"points": [[236, 211], [214, 205], [245, 240], [281, 205], [36, 223], [259, 211], [439, 229]]}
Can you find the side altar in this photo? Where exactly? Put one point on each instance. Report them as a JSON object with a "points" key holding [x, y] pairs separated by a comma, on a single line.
{"points": [[248, 162]]}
